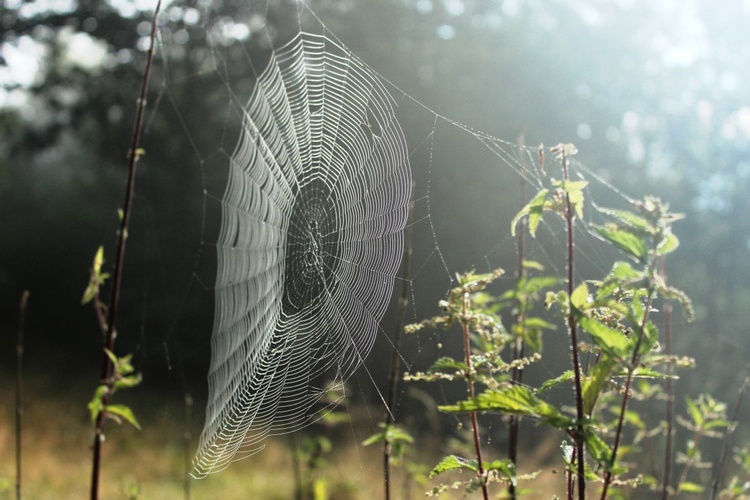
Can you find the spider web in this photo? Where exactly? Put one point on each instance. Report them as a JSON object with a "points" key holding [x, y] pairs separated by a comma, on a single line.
{"points": [[329, 161], [311, 238]]}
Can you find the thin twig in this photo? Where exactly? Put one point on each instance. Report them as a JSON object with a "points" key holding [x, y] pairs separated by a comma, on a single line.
{"points": [[111, 332], [396, 356], [729, 439], [572, 328], [19, 387]]}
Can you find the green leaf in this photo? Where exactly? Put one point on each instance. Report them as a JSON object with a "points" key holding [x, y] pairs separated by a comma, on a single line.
{"points": [[598, 449], [505, 466], [534, 209], [594, 383], [447, 364], [532, 264], [532, 285], [125, 412], [668, 244], [565, 377], [128, 381], [111, 356], [452, 462], [628, 218], [694, 412], [96, 279], [610, 340], [375, 438], [535, 322], [580, 296], [649, 373], [96, 404], [624, 240], [514, 400], [691, 488]]}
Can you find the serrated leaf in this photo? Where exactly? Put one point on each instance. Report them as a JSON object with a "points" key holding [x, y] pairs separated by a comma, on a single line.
{"points": [[125, 412], [515, 400], [624, 240], [452, 462], [610, 340]]}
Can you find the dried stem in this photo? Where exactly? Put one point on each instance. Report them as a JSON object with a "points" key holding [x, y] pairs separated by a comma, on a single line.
{"points": [[396, 357], [470, 390], [111, 331], [19, 387], [572, 329]]}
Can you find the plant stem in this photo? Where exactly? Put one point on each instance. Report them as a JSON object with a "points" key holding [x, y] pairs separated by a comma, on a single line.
{"points": [[396, 357], [572, 328], [516, 374], [19, 387], [667, 479], [628, 381], [111, 331], [186, 437], [729, 438], [470, 389]]}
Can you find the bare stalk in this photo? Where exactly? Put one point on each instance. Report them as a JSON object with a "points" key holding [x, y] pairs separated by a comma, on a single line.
{"points": [[19, 387], [667, 479], [111, 331], [403, 302], [573, 329], [470, 390]]}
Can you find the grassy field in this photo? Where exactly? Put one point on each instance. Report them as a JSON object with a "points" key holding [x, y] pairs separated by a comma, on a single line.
{"points": [[150, 464]]}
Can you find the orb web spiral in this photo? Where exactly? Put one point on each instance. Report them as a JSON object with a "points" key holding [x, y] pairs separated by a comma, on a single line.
{"points": [[310, 244]]}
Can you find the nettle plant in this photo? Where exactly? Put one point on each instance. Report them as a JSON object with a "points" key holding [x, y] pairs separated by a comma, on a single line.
{"points": [[616, 354]]}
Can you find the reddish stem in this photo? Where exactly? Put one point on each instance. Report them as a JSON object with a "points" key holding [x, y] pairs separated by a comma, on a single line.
{"points": [[573, 330], [111, 332], [470, 385]]}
